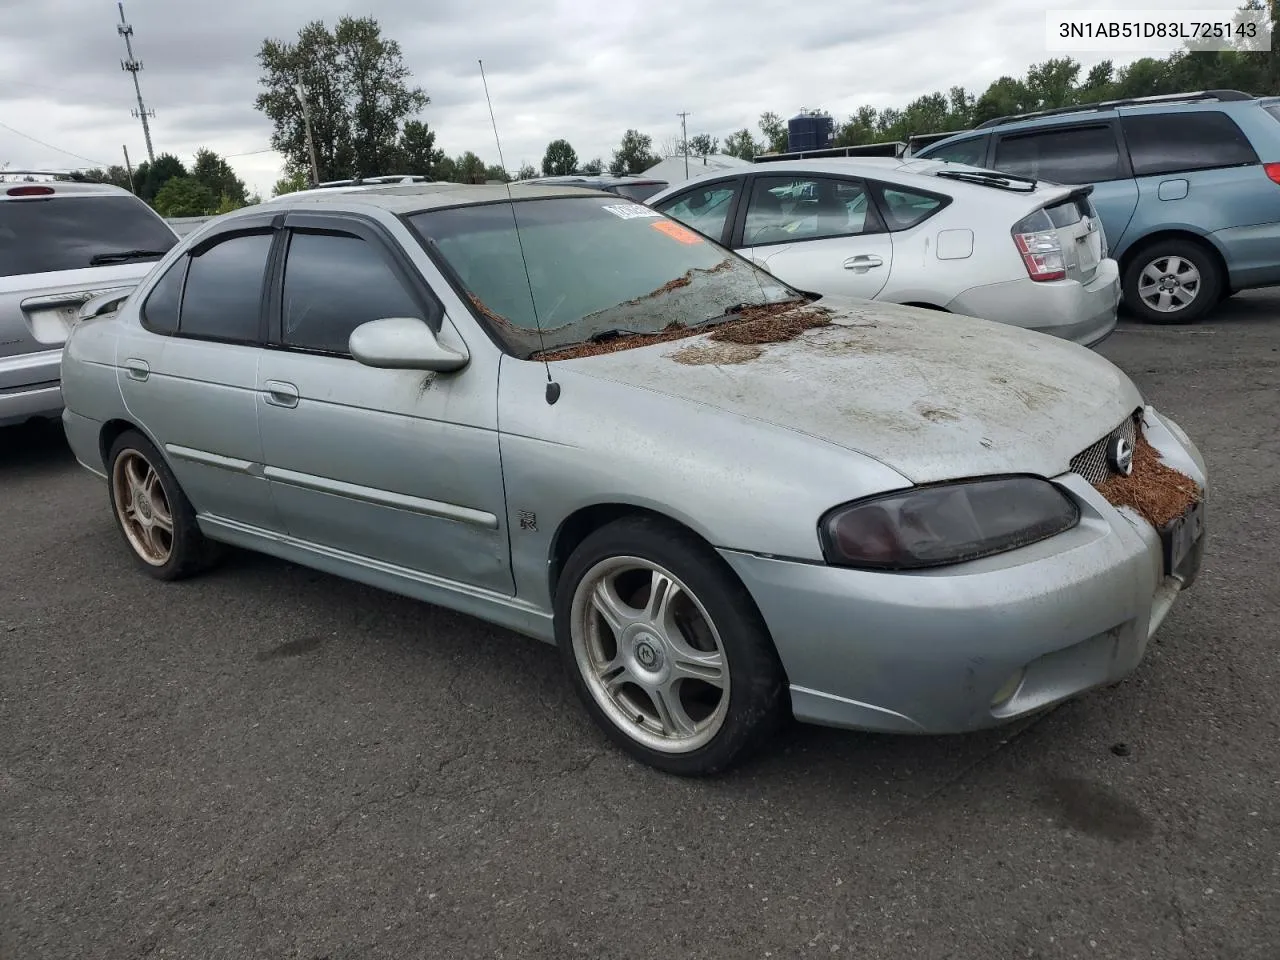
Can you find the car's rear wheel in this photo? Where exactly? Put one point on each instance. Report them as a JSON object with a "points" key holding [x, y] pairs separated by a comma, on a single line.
{"points": [[153, 514], [666, 648], [1172, 281]]}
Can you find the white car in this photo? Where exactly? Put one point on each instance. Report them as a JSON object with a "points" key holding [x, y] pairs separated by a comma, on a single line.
{"points": [[920, 232], [63, 242]]}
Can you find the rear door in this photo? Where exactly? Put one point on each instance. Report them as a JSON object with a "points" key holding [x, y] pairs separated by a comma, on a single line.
{"points": [[1080, 153], [188, 370], [820, 234]]}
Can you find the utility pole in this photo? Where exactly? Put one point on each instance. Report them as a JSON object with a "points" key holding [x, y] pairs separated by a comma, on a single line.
{"points": [[133, 66], [129, 166], [301, 91], [684, 140]]}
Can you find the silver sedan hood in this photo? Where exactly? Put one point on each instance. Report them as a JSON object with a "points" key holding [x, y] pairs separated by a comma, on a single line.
{"points": [[932, 395]]}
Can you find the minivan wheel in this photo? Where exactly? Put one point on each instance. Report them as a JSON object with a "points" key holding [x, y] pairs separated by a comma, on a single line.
{"points": [[153, 514], [666, 649], [1173, 281]]}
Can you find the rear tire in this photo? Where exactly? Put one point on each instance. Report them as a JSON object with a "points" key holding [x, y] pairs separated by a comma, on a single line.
{"points": [[152, 513], [666, 649], [1172, 282]]}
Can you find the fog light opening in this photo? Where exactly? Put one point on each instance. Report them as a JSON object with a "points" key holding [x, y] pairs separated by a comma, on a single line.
{"points": [[1008, 689]]}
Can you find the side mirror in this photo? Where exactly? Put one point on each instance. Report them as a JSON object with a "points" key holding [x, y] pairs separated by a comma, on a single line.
{"points": [[403, 343]]}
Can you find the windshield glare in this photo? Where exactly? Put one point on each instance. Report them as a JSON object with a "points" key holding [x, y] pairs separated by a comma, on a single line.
{"points": [[45, 234], [594, 265]]}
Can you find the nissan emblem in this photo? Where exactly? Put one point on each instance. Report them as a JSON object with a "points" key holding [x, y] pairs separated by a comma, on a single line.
{"points": [[1120, 455]]}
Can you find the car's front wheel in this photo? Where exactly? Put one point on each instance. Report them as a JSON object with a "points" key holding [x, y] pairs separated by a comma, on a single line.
{"points": [[666, 648], [1172, 281], [152, 512]]}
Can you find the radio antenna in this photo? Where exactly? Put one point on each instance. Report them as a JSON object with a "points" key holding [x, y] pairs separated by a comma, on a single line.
{"points": [[553, 388]]}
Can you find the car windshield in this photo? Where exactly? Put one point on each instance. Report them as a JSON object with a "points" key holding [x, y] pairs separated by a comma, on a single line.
{"points": [[595, 265], [40, 234]]}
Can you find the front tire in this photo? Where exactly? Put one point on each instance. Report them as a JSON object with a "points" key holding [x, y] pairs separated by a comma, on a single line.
{"points": [[666, 648], [152, 513], [1172, 282]]}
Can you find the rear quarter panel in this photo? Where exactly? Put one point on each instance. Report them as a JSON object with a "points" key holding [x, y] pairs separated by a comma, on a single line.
{"points": [[90, 389]]}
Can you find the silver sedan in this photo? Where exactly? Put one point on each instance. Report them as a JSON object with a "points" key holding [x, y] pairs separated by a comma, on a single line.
{"points": [[724, 500]]}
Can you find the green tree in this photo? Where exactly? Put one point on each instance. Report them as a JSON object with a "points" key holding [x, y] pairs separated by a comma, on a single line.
{"points": [[469, 168], [741, 145], [774, 132], [527, 171], [151, 177], [703, 145], [216, 174], [185, 197], [495, 172], [634, 154], [592, 168], [358, 91], [559, 160], [417, 150], [116, 175], [294, 179]]}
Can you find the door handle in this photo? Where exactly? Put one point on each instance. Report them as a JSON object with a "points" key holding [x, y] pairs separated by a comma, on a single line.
{"points": [[863, 262], [137, 369], [281, 394]]}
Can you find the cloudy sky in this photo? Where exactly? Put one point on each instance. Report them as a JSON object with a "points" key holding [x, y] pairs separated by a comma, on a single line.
{"points": [[572, 69]]}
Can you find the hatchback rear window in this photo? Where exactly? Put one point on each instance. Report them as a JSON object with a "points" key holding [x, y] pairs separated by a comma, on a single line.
{"points": [[66, 233], [1186, 141]]}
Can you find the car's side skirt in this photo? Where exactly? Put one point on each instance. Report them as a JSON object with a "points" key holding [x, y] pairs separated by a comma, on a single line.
{"points": [[510, 612]]}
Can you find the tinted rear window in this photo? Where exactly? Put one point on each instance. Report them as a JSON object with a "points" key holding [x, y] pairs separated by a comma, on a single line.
{"points": [[1191, 140], [65, 233], [639, 192]]}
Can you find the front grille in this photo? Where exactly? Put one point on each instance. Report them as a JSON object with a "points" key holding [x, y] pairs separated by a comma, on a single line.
{"points": [[1091, 462]]}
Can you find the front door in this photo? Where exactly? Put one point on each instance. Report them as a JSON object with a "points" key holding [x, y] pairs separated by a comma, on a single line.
{"points": [[398, 467], [188, 372], [818, 234]]}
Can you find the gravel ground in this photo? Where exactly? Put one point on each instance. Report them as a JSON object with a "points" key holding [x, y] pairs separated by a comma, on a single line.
{"points": [[270, 762]]}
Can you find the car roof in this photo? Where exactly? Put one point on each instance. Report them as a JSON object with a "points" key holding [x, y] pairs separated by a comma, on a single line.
{"points": [[608, 179], [62, 188], [408, 198]]}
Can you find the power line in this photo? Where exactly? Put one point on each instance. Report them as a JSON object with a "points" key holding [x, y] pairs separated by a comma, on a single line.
{"points": [[250, 153], [96, 163]]}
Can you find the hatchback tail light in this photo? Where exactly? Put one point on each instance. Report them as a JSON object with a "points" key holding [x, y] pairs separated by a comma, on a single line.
{"points": [[1273, 171], [1037, 241], [29, 191]]}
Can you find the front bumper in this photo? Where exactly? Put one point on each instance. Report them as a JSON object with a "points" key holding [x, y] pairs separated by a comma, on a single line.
{"points": [[930, 652], [30, 386], [1083, 313]]}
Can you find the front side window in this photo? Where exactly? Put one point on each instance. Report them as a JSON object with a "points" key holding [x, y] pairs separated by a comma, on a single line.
{"points": [[594, 265], [787, 209], [1186, 141], [334, 282], [223, 295], [1072, 155], [46, 234], [703, 208]]}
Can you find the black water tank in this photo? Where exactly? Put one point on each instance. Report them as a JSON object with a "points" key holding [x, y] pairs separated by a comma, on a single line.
{"points": [[807, 132]]}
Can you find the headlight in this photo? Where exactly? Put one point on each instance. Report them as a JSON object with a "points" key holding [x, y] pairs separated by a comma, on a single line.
{"points": [[946, 523]]}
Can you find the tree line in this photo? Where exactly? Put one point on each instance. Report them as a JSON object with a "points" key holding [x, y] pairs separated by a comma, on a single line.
{"points": [[351, 82]]}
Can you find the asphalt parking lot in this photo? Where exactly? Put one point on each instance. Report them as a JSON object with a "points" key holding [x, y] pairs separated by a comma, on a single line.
{"points": [[270, 762]]}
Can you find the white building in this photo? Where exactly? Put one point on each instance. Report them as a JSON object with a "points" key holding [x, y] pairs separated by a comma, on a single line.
{"points": [[672, 169]]}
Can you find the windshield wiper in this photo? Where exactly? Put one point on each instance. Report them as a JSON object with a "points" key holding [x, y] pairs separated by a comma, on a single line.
{"points": [[739, 307], [120, 256], [604, 335]]}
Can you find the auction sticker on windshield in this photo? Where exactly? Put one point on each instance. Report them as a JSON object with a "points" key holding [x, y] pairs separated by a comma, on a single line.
{"points": [[631, 211]]}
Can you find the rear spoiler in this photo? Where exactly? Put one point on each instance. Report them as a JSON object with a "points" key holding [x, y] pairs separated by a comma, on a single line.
{"points": [[105, 302]]}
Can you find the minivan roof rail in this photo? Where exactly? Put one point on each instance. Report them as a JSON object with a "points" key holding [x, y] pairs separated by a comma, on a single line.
{"points": [[1221, 95], [64, 174]]}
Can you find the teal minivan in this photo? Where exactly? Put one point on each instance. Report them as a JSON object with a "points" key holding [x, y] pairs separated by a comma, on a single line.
{"points": [[1187, 187]]}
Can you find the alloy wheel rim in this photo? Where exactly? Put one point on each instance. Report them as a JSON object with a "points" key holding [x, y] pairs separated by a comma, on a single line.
{"points": [[1169, 284], [142, 507], [650, 654]]}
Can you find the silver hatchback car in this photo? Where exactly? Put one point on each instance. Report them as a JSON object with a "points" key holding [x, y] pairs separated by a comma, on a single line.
{"points": [[565, 413]]}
